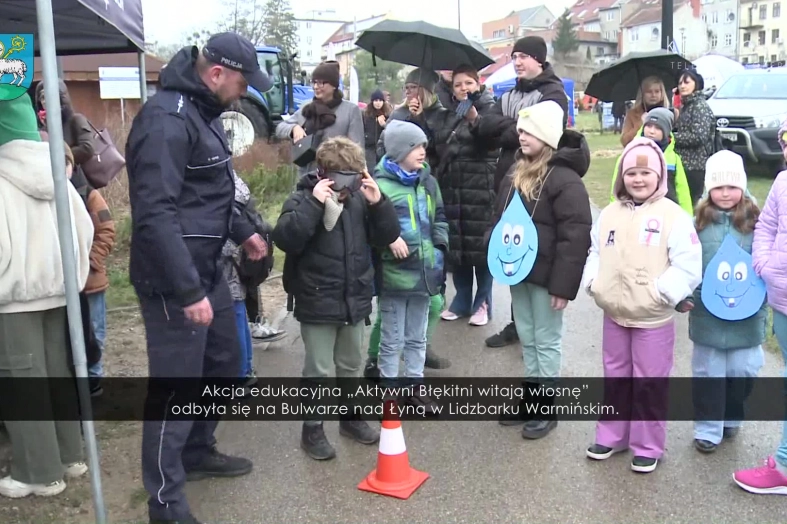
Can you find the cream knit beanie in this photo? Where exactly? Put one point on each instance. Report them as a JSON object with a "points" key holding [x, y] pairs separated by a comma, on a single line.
{"points": [[544, 121], [725, 168]]}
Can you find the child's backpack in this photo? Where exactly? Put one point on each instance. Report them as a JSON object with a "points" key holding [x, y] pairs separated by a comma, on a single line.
{"points": [[252, 273]]}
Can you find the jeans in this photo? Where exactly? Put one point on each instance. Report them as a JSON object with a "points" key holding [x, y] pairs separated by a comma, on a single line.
{"points": [[244, 337], [403, 328], [780, 328], [436, 306], [708, 362], [464, 304], [98, 318]]}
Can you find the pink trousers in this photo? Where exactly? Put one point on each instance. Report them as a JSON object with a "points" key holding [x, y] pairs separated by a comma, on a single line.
{"points": [[636, 353]]}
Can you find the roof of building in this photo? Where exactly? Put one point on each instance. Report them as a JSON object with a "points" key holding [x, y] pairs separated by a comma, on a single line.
{"points": [[650, 13], [347, 31], [526, 15], [587, 10]]}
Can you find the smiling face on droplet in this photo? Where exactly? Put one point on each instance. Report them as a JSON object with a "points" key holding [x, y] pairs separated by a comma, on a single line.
{"points": [[730, 288], [513, 244]]}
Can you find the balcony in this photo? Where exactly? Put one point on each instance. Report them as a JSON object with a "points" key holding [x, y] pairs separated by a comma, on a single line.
{"points": [[750, 18]]}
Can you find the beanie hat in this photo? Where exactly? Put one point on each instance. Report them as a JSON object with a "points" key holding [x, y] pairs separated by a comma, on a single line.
{"points": [[424, 78], [533, 46], [662, 118], [378, 95], [18, 120], [641, 153], [544, 121], [725, 168], [401, 137], [699, 82], [327, 72], [69, 154]]}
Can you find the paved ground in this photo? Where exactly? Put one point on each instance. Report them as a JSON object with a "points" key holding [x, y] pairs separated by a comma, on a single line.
{"points": [[482, 472]]}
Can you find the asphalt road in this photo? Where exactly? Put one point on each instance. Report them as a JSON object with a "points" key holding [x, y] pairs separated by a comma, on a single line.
{"points": [[482, 472]]}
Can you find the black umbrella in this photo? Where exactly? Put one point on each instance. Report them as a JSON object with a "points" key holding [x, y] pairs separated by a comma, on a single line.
{"points": [[621, 80], [423, 45]]}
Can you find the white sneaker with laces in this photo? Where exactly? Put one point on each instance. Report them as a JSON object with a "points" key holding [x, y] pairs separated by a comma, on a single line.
{"points": [[16, 490], [75, 470]]}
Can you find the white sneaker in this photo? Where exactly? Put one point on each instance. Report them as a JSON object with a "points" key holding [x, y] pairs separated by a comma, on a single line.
{"points": [[75, 470], [265, 332], [448, 315], [16, 490]]}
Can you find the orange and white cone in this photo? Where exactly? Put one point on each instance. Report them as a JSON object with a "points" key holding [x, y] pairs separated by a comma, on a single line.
{"points": [[393, 477]]}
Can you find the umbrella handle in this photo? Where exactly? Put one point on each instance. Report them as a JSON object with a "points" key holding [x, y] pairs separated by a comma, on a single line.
{"points": [[374, 56]]}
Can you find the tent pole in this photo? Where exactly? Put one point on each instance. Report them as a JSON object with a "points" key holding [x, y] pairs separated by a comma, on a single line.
{"points": [[143, 79], [46, 32]]}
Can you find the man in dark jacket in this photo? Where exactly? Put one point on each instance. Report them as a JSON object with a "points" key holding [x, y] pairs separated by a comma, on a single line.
{"points": [[536, 82], [181, 191]]}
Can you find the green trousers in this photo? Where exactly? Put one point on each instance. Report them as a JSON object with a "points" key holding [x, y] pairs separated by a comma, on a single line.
{"points": [[33, 344], [540, 330], [436, 306]]}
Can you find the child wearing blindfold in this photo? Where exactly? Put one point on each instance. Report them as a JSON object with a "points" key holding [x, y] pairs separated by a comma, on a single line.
{"points": [[325, 229], [411, 269]]}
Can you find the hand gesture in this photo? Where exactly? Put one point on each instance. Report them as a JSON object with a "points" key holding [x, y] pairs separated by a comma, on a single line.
{"points": [[399, 248], [297, 133], [322, 190], [256, 247], [472, 114], [200, 313], [684, 306], [370, 189], [381, 120], [415, 106], [559, 303]]}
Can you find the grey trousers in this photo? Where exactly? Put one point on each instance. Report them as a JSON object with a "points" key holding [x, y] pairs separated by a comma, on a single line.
{"points": [[33, 345]]}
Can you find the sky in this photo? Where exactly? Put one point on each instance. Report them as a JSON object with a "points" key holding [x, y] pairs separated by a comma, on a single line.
{"points": [[167, 20]]}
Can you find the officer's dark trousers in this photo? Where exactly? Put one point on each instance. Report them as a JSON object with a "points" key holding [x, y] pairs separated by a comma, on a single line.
{"points": [[178, 348]]}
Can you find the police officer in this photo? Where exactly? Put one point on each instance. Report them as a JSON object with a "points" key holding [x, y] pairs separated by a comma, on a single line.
{"points": [[181, 191]]}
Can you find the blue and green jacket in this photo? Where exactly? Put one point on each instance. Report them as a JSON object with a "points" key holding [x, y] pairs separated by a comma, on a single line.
{"points": [[419, 206], [708, 330]]}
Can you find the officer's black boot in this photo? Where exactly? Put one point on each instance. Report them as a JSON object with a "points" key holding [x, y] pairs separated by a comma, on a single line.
{"points": [[216, 464]]}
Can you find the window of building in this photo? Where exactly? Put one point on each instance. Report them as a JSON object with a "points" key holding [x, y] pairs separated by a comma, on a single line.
{"points": [[634, 34], [763, 12], [705, 18], [309, 53], [714, 42], [773, 58], [654, 34], [761, 59], [761, 37], [746, 37], [728, 39], [500, 33], [611, 15], [745, 60], [777, 9], [715, 17], [308, 25], [309, 40], [729, 16], [775, 36]]}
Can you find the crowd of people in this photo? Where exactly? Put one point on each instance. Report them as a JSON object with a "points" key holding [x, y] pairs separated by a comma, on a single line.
{"points": [[394, 199]]}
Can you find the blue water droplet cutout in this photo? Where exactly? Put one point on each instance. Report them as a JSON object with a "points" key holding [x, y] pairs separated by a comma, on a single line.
{"points": [[731, 290], [513, 244]]}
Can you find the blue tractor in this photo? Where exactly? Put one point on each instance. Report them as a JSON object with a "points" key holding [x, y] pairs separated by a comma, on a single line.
{"points": [[255, 116]]}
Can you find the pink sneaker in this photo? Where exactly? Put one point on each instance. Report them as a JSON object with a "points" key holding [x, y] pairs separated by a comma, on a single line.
{"points": [[448, 315], [480, 317], [763, 480]]}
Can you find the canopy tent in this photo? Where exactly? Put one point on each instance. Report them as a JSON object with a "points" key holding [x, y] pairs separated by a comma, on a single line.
{"points": [[81, 26], [75, 27], [504, 79], [715, 69]]}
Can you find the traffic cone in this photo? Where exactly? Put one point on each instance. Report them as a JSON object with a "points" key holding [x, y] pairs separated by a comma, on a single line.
{"points": [[393, 477]]}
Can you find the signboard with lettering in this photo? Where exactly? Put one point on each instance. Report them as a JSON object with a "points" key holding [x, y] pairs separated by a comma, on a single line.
{"points": [[118, 83]]}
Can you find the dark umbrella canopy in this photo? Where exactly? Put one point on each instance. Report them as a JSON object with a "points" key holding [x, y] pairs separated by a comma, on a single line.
{"points": [[621, 80], [423, 45]]}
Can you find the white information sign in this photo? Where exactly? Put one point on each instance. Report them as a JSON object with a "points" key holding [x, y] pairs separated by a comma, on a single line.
{"points": [[119, 83]]}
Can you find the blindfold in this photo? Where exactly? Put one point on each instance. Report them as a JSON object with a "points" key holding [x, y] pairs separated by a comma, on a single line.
{"points": [[343, 180]]}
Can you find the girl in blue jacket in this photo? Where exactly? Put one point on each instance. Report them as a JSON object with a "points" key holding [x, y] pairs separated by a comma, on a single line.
{"points": [[725, 348]]}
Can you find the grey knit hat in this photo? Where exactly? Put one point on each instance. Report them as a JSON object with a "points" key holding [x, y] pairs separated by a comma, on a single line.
{"points": [[663, 118], [401, 137]]}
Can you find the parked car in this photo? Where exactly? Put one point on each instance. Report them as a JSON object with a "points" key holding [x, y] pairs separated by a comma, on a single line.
{"points": [[749, 108], [256, 114]]}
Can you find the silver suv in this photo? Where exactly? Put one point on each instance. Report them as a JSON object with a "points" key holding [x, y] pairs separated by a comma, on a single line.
{"points": [[749, 108]]}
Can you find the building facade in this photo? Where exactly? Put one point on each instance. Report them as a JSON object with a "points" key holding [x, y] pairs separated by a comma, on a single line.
{"points": [[505, 31], [340, 46], [763, 32], [313, 29], [721, 18], [602, 18], [641, 32]]}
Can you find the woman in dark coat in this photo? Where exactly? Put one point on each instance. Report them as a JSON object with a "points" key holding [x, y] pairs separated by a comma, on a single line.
{"points": [[467, 182], [374, 118], [77, 132]]}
